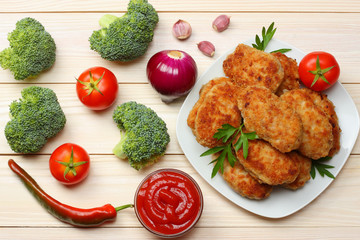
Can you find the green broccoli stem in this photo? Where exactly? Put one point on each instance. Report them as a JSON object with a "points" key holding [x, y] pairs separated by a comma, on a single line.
{"points": [[118, 150], [106, 20]]}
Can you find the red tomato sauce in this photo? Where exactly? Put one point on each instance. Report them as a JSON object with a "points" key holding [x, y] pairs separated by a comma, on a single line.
{"points": [[168, 202]]}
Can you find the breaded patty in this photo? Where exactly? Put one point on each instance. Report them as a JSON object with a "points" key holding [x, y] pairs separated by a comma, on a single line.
{"points": [[317, 138], [321, 100], [304, 174], [243, 183], [268, 165], [248, 66], [291, 73], [271, 118], [219, 107], [202, 93]]}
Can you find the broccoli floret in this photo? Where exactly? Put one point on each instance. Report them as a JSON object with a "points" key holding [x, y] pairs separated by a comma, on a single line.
{"points": [[31, 51], [35, 118], [127, 37], [144, 135]]}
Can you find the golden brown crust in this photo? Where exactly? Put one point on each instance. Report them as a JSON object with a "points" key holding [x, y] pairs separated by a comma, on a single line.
{"points": [[202, 93], [219, 107], [248, 66], [216, 106], [317, 138], [298, 126], [304, 174], [322, 101], [267, 164], [291, 73], [243, 183], [272, 119]]}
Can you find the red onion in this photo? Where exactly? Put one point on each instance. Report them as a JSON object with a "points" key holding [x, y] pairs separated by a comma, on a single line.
{"points": [[172, 73]]}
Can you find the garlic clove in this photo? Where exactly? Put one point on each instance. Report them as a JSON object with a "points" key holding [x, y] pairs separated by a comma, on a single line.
{"points": [[181, 29], [207, 48], [221, 23]]}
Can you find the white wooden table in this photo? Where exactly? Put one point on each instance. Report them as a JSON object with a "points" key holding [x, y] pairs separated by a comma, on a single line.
{"points": [[332, 26]]}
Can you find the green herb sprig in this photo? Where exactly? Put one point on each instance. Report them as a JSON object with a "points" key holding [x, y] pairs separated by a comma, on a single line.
{"points": [[225, 133], [321, 168], [267, 35]]}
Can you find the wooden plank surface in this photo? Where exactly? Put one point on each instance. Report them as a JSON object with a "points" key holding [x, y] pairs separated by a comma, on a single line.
{"points": [[184, 6], [344, 233], [332, 26], [111, 181], [72, 30], [81, 119]]}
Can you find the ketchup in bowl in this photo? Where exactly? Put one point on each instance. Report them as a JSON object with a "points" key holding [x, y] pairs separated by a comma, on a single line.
{"points": [[168, 203]]}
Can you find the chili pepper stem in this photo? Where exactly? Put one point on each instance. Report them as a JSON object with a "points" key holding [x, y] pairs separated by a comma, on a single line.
{"points": [[124, 206]]}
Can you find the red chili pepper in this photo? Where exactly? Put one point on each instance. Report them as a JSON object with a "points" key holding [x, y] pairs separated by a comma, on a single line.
{"points": [[75, 216]]}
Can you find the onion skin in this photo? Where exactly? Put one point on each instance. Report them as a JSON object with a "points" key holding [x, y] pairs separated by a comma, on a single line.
{"points": [[172, 73]]}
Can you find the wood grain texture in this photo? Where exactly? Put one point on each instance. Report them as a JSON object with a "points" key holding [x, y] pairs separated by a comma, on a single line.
{"points": [[72, 30], [112, 181], [332, 26], [98, 128], [344, 233], [183, 6]]}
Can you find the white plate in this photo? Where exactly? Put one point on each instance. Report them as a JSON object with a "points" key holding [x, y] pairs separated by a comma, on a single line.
{"points": [[282, 202]]}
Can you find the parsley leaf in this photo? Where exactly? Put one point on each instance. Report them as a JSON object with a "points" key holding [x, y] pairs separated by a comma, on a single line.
{"points": [[282, 50], [212, 151], [321, 168], [244, 142], [267, 35], [225, 133]]}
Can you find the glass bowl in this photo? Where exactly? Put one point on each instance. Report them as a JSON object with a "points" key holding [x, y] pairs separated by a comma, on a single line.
{"points": [[167, 197]]}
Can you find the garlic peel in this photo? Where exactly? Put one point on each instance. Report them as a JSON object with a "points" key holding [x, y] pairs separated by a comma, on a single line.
{"points": [[181, 30], [207, 48], [221, 23]]}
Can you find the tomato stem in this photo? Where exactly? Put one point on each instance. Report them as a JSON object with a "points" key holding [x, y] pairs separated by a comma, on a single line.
{"points": [[70, 166], [319, 73], [92, 85]]}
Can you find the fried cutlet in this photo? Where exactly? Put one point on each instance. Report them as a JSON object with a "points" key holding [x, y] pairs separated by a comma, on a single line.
{"points": [[267, 164], [304, 174], [202, 93], [271, 118], [218, 108], [291, 73], [317, 138], [243, 183], [322, 101], [248, 66]]}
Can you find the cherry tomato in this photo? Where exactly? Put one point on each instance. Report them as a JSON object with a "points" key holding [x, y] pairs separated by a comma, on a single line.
{"points": [[69, 164], [97, 88], [319, 70]]}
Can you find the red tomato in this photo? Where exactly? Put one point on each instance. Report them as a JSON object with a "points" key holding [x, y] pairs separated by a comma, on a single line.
{"points": [[69, 164], [97, 88], [319, 70]]}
